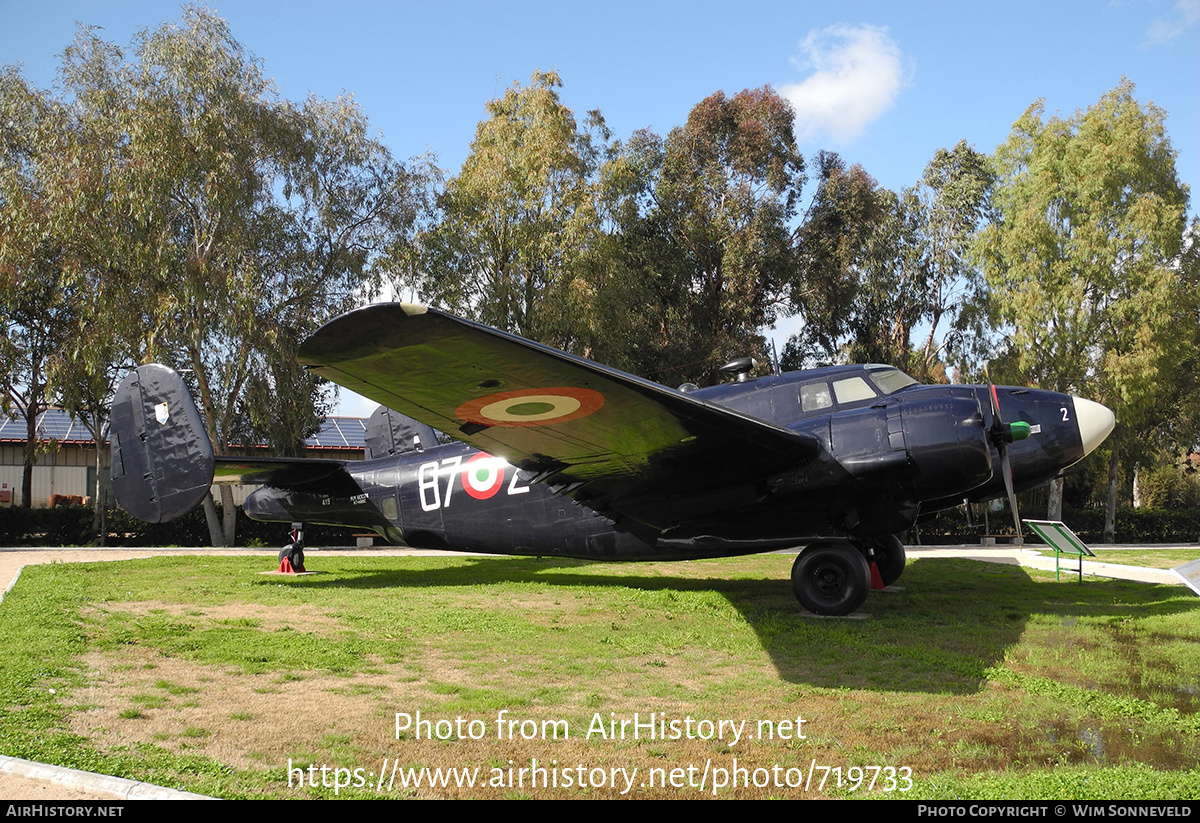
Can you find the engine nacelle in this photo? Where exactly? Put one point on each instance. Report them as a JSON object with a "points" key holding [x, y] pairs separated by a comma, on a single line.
{"points": [[923, 447]]}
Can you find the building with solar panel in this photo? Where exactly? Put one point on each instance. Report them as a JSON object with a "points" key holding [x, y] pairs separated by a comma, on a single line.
{"points": [[66, 464]]}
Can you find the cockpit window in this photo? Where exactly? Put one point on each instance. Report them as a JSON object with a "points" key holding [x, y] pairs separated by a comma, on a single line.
{"points": [[851, 389], [814, 396], [890, 380]]}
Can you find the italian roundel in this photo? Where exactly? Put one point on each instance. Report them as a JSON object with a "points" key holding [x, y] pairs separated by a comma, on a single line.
{"points": [[531, 407], [483, 475]]}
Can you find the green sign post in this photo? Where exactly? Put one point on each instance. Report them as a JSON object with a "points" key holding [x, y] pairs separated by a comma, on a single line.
{"points": [[1064, 541]]}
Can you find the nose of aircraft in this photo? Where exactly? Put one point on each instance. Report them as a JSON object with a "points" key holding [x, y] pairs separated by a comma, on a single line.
{"points": [[1095, 423]]}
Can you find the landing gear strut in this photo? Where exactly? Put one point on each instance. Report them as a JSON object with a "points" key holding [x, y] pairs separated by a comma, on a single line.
{"points": [[831, 578]]}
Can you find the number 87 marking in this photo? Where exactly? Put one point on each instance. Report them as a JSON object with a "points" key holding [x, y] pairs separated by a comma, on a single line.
{"points": [[479, 484]]}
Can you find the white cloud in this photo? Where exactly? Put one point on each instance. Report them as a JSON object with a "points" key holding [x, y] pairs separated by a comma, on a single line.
{"points": [[857, 72], [1183, 20]]}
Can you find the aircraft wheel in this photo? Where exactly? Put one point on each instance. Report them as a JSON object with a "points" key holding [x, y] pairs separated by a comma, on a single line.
{"points": [[831, 578], [889, 558], [294, 554]]}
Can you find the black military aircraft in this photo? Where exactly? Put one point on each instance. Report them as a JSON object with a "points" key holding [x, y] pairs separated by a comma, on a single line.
{"points": [[556, 455]]}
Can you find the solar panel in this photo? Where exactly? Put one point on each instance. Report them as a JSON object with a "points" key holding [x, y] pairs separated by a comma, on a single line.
{"points": [[339, 433], [57, 424]]}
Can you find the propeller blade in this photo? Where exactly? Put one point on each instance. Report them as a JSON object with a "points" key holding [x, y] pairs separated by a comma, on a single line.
{"points": [[1012, 495], [1002, 435]]}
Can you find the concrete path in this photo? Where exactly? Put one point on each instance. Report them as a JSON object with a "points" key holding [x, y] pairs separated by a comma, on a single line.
{"points": [[1035, 559], [26, 780]]}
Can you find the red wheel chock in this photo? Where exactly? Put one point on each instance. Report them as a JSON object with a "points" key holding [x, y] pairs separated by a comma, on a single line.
{"points": [[285, 566], [876, 578]]}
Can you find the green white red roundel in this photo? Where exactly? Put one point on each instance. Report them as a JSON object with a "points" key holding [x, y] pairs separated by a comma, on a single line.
{"points": [[531, 407], [483, 475]]}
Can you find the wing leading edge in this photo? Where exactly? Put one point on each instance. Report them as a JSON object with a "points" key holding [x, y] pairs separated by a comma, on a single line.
{"points": [[613, 441]]}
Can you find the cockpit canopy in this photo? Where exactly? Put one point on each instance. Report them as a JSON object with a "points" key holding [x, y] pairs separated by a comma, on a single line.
{"points": [[788, 398], [838, 388]]}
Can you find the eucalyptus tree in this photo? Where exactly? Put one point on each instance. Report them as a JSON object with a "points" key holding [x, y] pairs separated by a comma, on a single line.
{"points": [[517, 220], [1083, 261], [952, 203], [35, 263], [876, 266], [219, 222], [273, 217], [664, 256], [709, 231], [836, 242]]}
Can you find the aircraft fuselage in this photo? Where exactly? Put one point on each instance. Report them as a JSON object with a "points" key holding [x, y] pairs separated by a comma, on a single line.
{"points": [[887, 459]]}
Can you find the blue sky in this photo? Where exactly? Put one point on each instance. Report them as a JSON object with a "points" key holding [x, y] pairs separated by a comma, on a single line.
{"points": [[883, 83]]}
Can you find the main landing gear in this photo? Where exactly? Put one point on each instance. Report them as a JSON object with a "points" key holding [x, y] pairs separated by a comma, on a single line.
{"points": [[833, 577]]}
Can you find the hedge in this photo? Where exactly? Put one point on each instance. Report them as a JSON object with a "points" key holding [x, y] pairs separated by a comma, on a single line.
{"points": [[1132, 526], [72, 526]]}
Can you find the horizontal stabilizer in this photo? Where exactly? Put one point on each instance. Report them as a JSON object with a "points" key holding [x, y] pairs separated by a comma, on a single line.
{"points": [[284, 472]]}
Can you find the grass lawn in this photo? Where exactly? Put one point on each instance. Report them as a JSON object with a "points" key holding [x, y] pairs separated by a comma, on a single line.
{"points": [[1150, 558], [551, 678]]}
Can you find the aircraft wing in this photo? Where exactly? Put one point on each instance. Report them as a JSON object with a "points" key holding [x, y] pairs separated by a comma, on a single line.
{"points": [[613, 441]]}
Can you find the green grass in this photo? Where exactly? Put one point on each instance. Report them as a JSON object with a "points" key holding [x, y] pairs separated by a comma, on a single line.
{"points": [[1150, 558], [985, 680]]}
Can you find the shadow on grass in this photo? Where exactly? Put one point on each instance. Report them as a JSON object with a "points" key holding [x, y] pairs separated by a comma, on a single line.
{"points": [[951, 622]]}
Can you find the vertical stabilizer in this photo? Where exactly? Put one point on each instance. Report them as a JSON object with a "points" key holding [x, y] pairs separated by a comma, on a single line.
{"points": [[162, 460], [390, 432]]}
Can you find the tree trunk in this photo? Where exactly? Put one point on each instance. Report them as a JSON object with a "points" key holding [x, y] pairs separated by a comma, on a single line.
{"points": [[1110, 505], [229, 513], [99, 524], [30, 455], [215, 535], [1054, 506]]}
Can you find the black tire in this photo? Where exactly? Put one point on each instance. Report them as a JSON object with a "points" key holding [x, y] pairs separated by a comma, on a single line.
{"points": [[889, 558], [831, 578], [294, 555]]}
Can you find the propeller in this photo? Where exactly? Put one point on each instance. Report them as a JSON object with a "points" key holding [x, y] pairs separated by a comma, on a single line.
{"points": [[1003, 434]]}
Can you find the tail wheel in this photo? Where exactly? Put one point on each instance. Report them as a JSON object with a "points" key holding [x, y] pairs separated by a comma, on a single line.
{"points": [[889, 558], [831, 578], [294, 554]]}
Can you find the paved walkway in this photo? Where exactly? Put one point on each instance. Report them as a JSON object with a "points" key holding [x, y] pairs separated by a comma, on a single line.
{"points": [[26, 780], [1036, 559]]}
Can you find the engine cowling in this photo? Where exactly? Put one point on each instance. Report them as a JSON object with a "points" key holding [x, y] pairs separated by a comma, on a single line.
{"points": [[930, 447]]}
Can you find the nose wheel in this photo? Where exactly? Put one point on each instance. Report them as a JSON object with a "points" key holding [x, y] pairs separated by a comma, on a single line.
{"points": [[831, 578]]}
